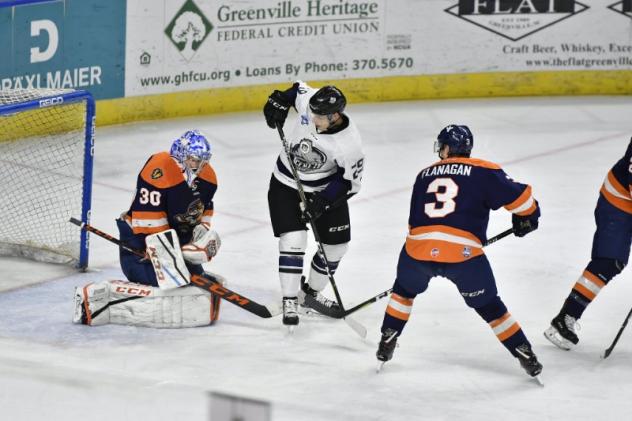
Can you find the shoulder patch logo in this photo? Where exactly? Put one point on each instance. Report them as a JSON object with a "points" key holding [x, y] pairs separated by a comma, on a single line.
{"points": [[156, 174]]}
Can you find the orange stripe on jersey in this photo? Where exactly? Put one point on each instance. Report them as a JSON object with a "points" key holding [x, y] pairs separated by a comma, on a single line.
{"points": [[162, 171], [469, 161], [148, 215], [617, 186], [622, 204], [446, 230], [440, 251], [614, 193], [208, 174], [441, 243], [524, 204], [147, 222]]}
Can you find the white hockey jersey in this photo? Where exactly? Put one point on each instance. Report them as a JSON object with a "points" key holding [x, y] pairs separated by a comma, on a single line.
{"points": [[320, 157]]}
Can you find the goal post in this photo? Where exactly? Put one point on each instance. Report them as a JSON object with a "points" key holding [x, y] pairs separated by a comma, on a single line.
{"points": [[46, 151]]}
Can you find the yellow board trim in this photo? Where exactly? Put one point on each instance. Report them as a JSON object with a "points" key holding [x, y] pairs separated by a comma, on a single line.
{"points": [[468, 85]]}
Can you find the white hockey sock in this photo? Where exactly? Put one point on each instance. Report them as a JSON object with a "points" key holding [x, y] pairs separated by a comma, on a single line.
{"points": [[291, 253], [318, 278]]}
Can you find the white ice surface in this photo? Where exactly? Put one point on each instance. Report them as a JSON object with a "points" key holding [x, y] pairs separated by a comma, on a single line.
{"points": [[449, 365]]}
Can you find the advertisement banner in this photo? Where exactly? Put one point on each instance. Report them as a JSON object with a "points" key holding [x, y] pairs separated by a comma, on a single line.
{"points": [[76, 44], [184, 45]]}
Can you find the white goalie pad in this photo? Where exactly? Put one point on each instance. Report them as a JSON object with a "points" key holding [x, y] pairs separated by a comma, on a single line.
{"points": [[203, 247], [166, 257], [129, 303]]}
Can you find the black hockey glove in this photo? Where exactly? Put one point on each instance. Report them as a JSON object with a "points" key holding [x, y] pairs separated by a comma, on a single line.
{"points": [[523, 225], [314, 208], [276, 108]]}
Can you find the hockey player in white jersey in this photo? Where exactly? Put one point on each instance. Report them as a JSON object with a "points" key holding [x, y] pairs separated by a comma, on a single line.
{"points": [[326, 149]]}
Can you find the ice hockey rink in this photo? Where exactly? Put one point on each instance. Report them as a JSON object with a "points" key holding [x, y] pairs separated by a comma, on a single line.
{"points": [[448, 365]]}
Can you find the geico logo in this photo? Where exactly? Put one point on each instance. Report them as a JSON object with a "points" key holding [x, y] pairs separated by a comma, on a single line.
{"points": [[47, 102], [340, 228], [134, 291]]}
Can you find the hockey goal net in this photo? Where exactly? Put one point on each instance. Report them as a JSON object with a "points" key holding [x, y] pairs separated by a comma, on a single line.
{"points": [[46, 147]]}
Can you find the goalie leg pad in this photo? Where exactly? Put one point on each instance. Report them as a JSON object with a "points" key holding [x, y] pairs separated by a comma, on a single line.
{"points": [[132, 304]]}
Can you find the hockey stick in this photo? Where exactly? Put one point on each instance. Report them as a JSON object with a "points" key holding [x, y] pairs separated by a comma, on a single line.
{"points": [[388, 291], [206, 282], [608, 351], [498, 237], [357, 327]]}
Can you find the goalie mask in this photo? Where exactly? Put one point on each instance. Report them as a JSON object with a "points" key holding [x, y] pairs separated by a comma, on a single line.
{"points": [[192, 151]]}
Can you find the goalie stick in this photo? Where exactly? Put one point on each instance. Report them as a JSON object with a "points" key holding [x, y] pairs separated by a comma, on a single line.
{"points": [[207, 281], [388, 291]]}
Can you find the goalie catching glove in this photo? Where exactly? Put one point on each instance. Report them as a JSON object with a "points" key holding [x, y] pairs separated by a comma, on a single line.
{"points": [[203, 246]]}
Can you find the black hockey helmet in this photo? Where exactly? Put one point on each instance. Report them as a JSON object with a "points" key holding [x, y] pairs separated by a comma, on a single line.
{"points": [[327, 100], [458, 137]]}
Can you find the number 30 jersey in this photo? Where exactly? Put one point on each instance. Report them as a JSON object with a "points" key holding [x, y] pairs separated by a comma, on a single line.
{"points": [[450, 205], [164, 200], [320, 158]]}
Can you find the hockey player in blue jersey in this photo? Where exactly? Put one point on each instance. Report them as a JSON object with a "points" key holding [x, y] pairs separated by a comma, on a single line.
{"points": [[174, 189], [169, 220], [610, 251], [449, 213]]}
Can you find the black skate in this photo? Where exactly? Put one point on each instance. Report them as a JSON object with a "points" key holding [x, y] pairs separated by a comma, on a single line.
{"points": [[386, 347], [562, 331], [313, 299], [290, 313], [529, 361]]}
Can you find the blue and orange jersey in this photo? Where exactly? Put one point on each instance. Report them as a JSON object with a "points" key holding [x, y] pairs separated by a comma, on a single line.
{"points": [[164, 200], [618, 183], [450, 205]]}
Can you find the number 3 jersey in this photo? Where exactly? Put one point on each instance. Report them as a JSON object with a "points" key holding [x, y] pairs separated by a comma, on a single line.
{"points": [[320, 158], [450, 206], [164, 200]]}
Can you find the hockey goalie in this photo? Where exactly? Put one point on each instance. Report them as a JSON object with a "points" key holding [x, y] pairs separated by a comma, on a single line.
{"points": [[173, 205]]}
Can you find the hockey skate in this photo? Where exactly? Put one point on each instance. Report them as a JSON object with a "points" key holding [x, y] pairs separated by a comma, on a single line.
{"points": [[309, 297], [386, 347], [529, 362], [290, 313], [562, 332]]}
